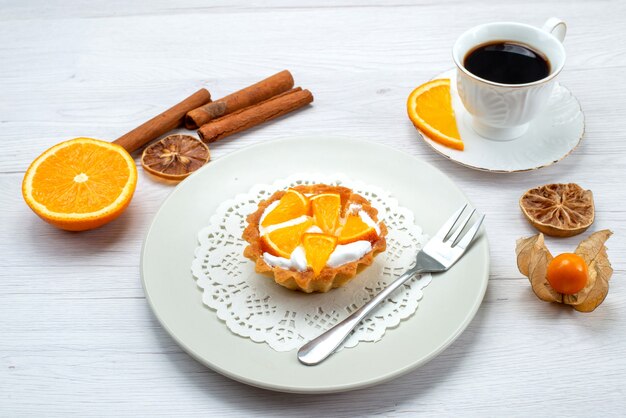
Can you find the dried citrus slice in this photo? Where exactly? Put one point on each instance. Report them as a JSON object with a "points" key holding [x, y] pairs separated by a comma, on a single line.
{"points": [[175, 157], [318, 248], [326, 209], [282, 241], [560, 210], [355, 229], [80, 184], [430, 109], [292, 205]]}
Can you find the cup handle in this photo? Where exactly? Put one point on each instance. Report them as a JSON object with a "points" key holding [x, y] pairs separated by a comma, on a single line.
{"points": [[556, 27]]}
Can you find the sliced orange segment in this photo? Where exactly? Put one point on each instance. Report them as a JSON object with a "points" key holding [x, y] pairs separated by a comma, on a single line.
{"points": [[318, 248], [355, 229], [326, 208], [281, 242], [292, 205], [80, 184], [430, 109]]}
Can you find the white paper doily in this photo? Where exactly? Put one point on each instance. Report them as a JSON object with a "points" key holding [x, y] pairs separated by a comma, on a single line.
{"points": [[254, 306]]}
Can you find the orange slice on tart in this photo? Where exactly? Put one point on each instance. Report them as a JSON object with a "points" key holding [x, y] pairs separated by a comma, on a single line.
{"points": [[282, 241], [292, 205], [355, 229], [318, 248], [430, 109], [326, 209]]}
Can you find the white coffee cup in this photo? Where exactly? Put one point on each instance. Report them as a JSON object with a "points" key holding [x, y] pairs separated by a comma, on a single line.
{"points": [[504, 111]]}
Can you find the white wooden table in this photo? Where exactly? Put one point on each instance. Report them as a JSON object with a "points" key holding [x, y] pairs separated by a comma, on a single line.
{"points": [[76, 333]]}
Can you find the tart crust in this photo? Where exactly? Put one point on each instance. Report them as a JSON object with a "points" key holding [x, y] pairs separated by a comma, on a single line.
{"points": [[330, 277]]}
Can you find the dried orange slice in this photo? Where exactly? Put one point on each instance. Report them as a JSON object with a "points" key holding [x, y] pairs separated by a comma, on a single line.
{"points": [[355, 229], [175, 157], [430, 109], [282, 241], [560, 210], [326, 208], [292, 205], [80, 184], [318, 248]]}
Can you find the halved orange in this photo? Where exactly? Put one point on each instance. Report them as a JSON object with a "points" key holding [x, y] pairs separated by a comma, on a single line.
{"points": [[281, 242], [430, 109], [80, 184], [292, 205], [318, 248], [355, 229], [326, 208]]}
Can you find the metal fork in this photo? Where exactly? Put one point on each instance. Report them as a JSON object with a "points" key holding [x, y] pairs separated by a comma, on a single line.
{"points": [[438, 255]]}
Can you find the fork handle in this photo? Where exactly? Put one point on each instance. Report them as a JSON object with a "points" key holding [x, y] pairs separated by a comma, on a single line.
{"points": [[316, 351]]}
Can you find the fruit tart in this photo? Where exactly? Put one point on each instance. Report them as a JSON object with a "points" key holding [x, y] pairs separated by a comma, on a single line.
{"points": [[314, 238]]}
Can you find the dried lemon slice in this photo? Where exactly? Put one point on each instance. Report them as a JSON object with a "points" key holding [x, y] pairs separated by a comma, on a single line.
{"points": [[175, 157], [559, 210]]}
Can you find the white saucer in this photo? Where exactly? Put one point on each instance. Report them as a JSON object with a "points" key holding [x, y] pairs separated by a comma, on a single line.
{"points": [[549, 139]]}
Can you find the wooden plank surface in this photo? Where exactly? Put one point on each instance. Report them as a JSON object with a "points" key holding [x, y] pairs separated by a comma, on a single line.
{"points": [[77, 333]]}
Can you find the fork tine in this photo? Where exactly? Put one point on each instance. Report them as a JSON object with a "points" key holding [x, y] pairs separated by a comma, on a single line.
{"points": [[447, 227], [454, 238], [471, 234]]}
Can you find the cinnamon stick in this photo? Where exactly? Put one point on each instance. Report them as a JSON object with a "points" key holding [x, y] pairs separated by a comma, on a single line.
{"points": [[162, 123], [256, 93], [255, 115]]}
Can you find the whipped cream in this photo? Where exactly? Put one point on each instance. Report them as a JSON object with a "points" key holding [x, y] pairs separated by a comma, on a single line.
{"points": [[291, 222], [274, 261], [298, 259], [353, 208], [343, 254], [365, 217], [296, 262]]}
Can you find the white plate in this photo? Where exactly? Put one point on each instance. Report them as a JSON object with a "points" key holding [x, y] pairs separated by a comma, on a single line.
{"points": [[449, 302], [551, 137]]}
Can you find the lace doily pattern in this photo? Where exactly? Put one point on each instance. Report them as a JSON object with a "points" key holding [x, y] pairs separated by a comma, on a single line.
{"points": [[253, 306]]}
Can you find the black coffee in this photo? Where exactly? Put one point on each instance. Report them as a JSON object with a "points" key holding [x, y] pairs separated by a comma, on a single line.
{"points": [[507, 63]]}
